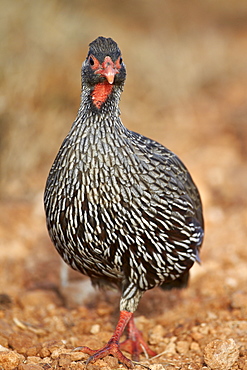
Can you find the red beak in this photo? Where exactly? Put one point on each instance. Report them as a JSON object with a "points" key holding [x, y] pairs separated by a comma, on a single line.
{"points": [[109, 70]]}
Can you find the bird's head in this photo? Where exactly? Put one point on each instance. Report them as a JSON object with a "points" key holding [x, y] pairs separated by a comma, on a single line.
{"points": [[103, 69]]}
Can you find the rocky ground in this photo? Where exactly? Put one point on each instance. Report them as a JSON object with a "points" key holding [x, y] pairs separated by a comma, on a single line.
{"points": [[42, 319]]}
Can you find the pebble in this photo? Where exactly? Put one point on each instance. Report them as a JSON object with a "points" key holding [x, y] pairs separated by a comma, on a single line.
{"points": [[65, 356], [30, 367], [50, 346], [221, 354], [9, 360], [58, 352], [3, 349], [157, 367], [195, 347], [182, 347], [203, 329], [78, 356], [33, 359], [21, 342], [95, 329], [64, 360], [171, 346], [34, 350], [156, 335]]}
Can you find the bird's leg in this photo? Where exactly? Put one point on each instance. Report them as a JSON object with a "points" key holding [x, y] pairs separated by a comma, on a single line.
{"points": [[135, 343], [112, 347]]}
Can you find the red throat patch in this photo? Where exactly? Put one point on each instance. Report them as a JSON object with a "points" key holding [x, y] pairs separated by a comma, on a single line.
{"points": [[100, 93]]}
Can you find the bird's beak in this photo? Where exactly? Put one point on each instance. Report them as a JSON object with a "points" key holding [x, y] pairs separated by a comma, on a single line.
{"points": [[109, 70], [109, 74]]}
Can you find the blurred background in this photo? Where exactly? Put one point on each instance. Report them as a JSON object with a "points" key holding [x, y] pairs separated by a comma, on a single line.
{"points": [[186, 87]]}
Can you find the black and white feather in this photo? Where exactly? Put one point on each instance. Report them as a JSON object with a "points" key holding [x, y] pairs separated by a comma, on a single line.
{"points": [[121, 208]]}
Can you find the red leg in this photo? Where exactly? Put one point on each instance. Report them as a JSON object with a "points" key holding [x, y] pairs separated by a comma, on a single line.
{"points": [[135, 343], [112, 347]]}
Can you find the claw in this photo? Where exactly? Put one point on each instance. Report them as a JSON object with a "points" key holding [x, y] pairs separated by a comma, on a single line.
{"points": [[111, 348], [134, 343]]}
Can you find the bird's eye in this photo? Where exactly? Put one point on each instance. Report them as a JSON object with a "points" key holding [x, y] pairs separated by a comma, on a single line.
{"points": [[120, 60], [91, 61]]}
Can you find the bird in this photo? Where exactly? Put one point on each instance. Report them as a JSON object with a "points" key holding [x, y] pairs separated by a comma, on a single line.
{"points": [[120, 208]]}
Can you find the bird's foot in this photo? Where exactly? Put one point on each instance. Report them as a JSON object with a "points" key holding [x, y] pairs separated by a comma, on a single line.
{"points": [[135, 348], [135, 344], [111, 348]]}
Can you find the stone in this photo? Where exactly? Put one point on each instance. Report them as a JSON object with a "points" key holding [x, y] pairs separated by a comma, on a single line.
{"points": [[221, 354], [182, 347], [21, 342], [9, 360], [30, 367]]}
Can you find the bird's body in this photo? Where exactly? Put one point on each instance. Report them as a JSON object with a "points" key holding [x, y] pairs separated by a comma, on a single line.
{"points": [[120, 208]]}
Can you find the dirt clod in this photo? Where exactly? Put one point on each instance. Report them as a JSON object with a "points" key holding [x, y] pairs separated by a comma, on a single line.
{"points": [[22, 342], [221, 354], [30, 367], [9, 360], [182, 346]]}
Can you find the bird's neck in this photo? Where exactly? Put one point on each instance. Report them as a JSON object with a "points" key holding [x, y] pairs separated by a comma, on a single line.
{"points": [[96, 137], [98, 121], [101, 93], [103, 98]]}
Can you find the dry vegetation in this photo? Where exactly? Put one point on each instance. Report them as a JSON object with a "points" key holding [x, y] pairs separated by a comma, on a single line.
{"points": [[186, 87]]}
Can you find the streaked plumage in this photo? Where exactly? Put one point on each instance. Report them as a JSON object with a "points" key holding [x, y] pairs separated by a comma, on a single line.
{"points": [[120, 208]]}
